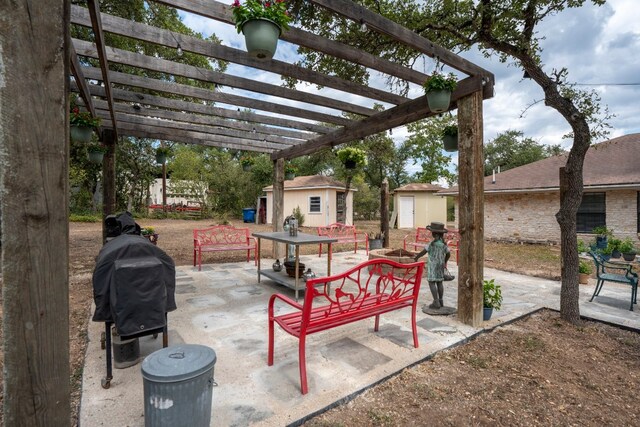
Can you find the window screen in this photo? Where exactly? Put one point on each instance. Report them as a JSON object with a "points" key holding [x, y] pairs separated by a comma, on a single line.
{"points": [[315, 205], [591, 213]]}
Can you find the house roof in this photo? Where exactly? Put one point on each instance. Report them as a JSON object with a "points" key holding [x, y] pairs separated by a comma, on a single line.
{"points": [[311, 181], [418, 187], [610, 164]]}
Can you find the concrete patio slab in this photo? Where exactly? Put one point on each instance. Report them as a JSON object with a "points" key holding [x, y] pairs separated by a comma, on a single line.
{"points": [[224, 307]]}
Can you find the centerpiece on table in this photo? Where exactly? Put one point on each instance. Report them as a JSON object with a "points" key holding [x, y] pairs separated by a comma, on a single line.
{"points": [[261, 22], [438, 89], [82, 123]]}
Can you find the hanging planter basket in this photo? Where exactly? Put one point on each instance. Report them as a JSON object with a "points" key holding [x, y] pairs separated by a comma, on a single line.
{"points": [[96, 156], [161, 158], [261, 37], [450, 143], [438, 100], [350, 164], [289, 175], [81, 134]]}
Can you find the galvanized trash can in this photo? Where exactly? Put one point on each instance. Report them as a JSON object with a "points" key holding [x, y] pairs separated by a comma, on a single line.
{"points": [[178, 386]]}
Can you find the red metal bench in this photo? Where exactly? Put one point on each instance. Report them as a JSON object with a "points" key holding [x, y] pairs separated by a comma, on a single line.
{"points": [[368, 290], [418, 240], [222, 238], [344, 234]]}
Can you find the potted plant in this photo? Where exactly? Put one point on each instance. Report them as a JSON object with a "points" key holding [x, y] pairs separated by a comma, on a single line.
{"points": [[627, 249], [582, 247], [162, 153], [602, 233], [246, 162], [605, 253], [450, 138], [615, 247], [352, 157], [290, 171], [261, 22], [150, 233], [491, 298], [438, 89], [376, 241], [584, 270], [95, 152], [82, 123]]}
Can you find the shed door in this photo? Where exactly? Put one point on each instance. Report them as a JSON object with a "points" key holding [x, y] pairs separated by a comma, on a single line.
{"points": [[405, 214]]}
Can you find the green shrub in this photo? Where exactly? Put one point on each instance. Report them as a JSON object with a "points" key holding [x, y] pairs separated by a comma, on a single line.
{"points": [[85, 218], [584, 267], [299, 216]]}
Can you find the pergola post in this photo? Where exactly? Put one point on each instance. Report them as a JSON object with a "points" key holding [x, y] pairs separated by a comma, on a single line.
{"points": [[34, 168], [384, 212], [471, 209], [108, 178], [278, 202]]}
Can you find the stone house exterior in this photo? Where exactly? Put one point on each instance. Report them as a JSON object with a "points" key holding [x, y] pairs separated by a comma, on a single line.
{"points": [[520, 204], [321, 200]]}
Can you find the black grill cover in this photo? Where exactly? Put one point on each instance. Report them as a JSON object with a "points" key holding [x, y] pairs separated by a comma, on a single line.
{"points": [[133, 285]]}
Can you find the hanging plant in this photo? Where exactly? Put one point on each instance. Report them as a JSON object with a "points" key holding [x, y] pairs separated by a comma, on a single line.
{"points": [[450, 138], [261, 22], [96, 152], [290, 171], [352, 157], [81, 123], [438, 89], [246, 162], [162, 153]]}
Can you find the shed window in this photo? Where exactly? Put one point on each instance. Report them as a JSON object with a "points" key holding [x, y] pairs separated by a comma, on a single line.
{"points": [[315, 204], [591, 213]]}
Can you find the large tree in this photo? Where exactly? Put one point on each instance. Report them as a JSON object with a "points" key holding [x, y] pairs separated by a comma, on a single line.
{"points": [[507, 29]]}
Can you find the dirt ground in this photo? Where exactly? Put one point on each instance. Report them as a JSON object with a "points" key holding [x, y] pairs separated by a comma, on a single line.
{"points": [[536, 371]]}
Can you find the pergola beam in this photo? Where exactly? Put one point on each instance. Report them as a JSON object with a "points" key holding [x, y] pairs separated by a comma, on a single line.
{"points": [[94, 11], [76, 69], [402, 114]]}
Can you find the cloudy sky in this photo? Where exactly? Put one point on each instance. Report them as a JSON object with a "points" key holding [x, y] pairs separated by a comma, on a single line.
{"points": [[599, 46]]}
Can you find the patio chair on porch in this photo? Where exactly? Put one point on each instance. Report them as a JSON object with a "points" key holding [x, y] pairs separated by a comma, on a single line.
{"points": [[618, 272]]}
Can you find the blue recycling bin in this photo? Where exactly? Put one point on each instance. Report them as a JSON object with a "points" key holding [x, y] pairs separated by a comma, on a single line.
{"points": [[249, 215]]}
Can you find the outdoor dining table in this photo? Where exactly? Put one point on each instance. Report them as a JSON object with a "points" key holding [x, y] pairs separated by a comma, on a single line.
{"points": [[297, 240]]}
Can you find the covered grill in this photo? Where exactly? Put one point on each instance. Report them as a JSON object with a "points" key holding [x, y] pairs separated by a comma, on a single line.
{"points": [[133, 288]]}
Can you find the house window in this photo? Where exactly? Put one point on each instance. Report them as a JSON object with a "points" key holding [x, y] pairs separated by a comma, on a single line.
{"points": [[591, 213], [315, 204]]}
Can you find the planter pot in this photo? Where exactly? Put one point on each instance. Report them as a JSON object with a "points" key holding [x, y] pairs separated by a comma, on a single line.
{"points": [[81, 134], [605, 257], [583, 278], [261, 37], [375, 244], [350, 164], [289, 176], [96, 156], [161, 158], [450, 143], [439, 100], [486, 313], [630, 256], [246, 168], [616, 254], [601, 242]]}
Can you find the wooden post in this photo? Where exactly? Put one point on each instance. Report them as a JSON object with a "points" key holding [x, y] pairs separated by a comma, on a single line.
{"points": [[164, 186], [34, 163], [471, 202], [108, 178], [384, 212], [278, 204]]}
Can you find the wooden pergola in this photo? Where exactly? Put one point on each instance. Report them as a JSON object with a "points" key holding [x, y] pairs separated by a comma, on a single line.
{"points": [[266, 118]]}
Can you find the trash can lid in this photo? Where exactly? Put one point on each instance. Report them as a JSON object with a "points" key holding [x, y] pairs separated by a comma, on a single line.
{"points": [[178, 363]]}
